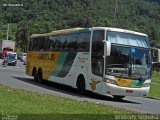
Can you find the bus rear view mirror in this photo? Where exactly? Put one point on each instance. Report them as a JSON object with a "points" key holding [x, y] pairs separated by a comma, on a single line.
{"points": [[107, 48], [158, 56]]}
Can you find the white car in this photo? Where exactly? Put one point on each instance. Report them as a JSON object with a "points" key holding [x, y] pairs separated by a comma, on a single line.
{"points": [[25, 60], [23, 57]]}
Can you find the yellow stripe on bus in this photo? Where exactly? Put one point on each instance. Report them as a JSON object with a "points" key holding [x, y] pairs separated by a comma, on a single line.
{"points": [[46, 61]]}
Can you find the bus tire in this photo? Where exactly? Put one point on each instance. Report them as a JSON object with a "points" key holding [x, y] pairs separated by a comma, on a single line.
{"points": [[40, 76], [81, 84], [34, 74], [118, 97]]}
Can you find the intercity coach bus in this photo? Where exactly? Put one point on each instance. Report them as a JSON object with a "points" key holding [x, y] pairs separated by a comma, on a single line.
{"points": [[103, 60]]}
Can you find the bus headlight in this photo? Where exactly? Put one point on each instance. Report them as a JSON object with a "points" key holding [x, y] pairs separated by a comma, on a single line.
{"points": [[110, 81], [146, 84]]}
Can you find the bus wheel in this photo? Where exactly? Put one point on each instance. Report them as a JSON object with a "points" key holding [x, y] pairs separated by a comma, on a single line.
{"points": [[35, 76], [81, 84], [118, 97], [40, 76]]}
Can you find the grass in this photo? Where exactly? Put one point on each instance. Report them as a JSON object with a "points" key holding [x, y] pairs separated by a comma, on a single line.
{"points": [[30, 105], [155, 85]]}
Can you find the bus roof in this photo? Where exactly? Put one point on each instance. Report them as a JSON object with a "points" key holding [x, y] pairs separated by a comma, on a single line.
{"points": [[78, 29], [119, 30], [63, 31]]}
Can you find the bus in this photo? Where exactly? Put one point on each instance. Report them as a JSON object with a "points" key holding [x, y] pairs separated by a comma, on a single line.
{"points": [[103, 60]]}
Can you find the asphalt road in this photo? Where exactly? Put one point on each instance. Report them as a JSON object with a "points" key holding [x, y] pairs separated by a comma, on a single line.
{"points": [[15, 77]]}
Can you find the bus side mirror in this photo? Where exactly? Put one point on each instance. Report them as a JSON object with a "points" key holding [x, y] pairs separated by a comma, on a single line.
{"points": [[107, 48], [158, 56]]}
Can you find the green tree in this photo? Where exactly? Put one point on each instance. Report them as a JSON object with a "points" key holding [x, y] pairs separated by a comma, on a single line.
{"points": [[39, 16]]}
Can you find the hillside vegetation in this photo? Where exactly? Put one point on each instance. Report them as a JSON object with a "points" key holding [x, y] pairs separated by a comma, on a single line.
{"points": [[38, 16]]}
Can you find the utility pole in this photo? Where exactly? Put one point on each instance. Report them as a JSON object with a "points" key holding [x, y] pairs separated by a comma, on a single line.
{"points": [[7, 31], [115, 11]]}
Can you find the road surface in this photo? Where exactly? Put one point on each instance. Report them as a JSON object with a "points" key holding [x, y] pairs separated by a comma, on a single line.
{"points": [[16, 78]]}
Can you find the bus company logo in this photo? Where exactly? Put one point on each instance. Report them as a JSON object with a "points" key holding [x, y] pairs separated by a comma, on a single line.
{"points": [[46, 56], [93, 84]]}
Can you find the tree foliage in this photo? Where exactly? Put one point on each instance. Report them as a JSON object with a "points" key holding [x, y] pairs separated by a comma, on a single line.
{"points": [[40, 16]]}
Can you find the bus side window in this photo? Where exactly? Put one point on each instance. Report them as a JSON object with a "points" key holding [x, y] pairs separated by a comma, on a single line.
{"points": [[83, 42], [42, 42], [62, 39], [64, 45], [72, 42], [35, 44], [58, 44], [51, 48], [97, 52], [82, 47], [51, 43], [47, 45]]}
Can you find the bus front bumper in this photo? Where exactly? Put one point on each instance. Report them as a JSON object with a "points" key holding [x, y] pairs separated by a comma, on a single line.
{"points": [[124, 91]]}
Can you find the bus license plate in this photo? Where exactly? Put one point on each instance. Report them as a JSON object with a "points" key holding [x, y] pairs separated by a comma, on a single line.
{"points": [[129, 91]]}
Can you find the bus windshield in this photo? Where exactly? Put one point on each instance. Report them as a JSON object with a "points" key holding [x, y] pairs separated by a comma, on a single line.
{"points": [[129, 61], [128, 39]]}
